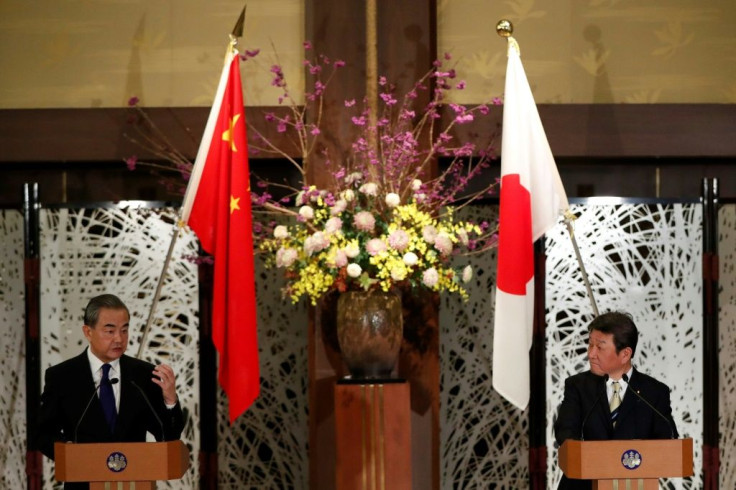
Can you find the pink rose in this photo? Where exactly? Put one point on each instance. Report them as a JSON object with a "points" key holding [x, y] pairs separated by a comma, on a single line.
{"points": [[375, 246], [364, 221], [333, 225], [398, 240], [443, 243]]}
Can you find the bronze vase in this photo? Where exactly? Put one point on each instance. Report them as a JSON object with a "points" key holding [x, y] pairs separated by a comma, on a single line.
{"points": [[369, 332]]}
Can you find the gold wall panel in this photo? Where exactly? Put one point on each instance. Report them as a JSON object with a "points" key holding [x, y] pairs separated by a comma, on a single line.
{"points": [[597, 51], [99, 53]]}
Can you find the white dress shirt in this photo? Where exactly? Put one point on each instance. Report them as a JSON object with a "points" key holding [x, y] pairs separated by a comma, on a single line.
{"points": [[622, 384], [95, 366]]}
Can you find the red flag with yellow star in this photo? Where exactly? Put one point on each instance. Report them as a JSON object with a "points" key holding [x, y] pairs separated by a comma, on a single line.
{"points": [[217, 207]]}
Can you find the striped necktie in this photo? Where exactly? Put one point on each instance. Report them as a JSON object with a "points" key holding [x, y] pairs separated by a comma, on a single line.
{"points": [[615, 401]]}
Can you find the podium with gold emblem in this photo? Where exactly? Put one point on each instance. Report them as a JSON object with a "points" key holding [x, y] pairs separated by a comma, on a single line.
{"points": [[120, 465], [627, 464]]}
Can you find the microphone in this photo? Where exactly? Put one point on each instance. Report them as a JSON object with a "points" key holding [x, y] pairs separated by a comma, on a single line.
{"points": [[587, 415], [112, 381], [625, 377], [153, 411]]}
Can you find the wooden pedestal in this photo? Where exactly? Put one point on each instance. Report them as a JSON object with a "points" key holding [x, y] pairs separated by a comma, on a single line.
{"points": [[373, 436]]}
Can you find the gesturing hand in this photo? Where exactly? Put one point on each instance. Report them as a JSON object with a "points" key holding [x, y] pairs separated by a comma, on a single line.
{"points": [[164, 376]]}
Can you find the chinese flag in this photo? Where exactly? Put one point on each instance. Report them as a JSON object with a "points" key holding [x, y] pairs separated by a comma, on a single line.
{"points": [[217, 207], [532, 198]]}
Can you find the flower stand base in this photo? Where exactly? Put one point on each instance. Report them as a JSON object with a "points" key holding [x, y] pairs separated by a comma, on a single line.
{"points": [[372, 436]]}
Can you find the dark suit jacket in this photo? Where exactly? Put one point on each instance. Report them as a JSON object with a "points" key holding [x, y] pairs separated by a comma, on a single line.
{"points": [[636, 420], [68, 390]]}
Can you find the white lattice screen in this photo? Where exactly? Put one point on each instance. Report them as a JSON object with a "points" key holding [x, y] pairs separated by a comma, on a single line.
{"points": [[483, 438], [644, 259], [267, 446], [641, 258], [727, 342], [12, 352]]}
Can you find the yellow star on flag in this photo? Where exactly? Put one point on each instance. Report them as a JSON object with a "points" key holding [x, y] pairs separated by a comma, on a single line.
{"points": [[227, 135], [234, 204]]}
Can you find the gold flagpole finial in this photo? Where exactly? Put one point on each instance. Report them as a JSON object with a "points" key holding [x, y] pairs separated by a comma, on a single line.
{"points": [[505, 28], [238, 29], [237, 33]]}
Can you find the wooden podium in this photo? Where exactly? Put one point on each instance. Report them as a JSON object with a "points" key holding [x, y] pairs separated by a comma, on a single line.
{"points": [[120, 465], [626, 464]]}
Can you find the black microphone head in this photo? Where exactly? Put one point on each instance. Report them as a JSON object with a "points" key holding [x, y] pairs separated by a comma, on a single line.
{"points": [[114, 381], [625, 377]]}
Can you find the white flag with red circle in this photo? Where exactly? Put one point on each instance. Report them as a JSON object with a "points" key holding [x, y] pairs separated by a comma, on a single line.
{"points": [[532, 199]]}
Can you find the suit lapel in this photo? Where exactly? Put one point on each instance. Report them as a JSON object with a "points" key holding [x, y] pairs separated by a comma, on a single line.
{"points": [[124, 409], [630, 399], [602, 411]]}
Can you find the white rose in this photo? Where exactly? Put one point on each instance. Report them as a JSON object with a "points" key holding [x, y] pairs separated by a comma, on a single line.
{"points": [[467, 274], [429, 233], [348, 195], [354, 270], [280, 232], [430, 277], [285, 257], [354, 177], [306, 212], [369, 189], [352, 250], [392, 199], [410, 258], [416, 184]]}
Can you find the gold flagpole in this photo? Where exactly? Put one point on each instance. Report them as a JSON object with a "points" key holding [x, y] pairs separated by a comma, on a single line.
{"points": [[236, 33]]}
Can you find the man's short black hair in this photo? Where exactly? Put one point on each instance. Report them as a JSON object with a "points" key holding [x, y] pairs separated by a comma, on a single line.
{"points": [[621, 325], [92, 311]]}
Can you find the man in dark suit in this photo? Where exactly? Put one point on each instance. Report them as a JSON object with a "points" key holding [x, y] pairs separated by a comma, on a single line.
{"points": [[601, 403], [103, 395]]}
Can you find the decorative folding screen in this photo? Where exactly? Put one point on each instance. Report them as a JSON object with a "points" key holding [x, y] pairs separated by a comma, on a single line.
{"points": [[644, 259], [727, 342], [267, 446], [483, 439], [12, 352]]}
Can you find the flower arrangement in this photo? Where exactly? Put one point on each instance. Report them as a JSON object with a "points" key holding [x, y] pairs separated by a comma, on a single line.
{"points": [[382, 221]]}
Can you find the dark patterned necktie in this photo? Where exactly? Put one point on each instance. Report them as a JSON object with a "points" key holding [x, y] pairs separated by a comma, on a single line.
{"points": [[615, 402], [107, 398]]}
